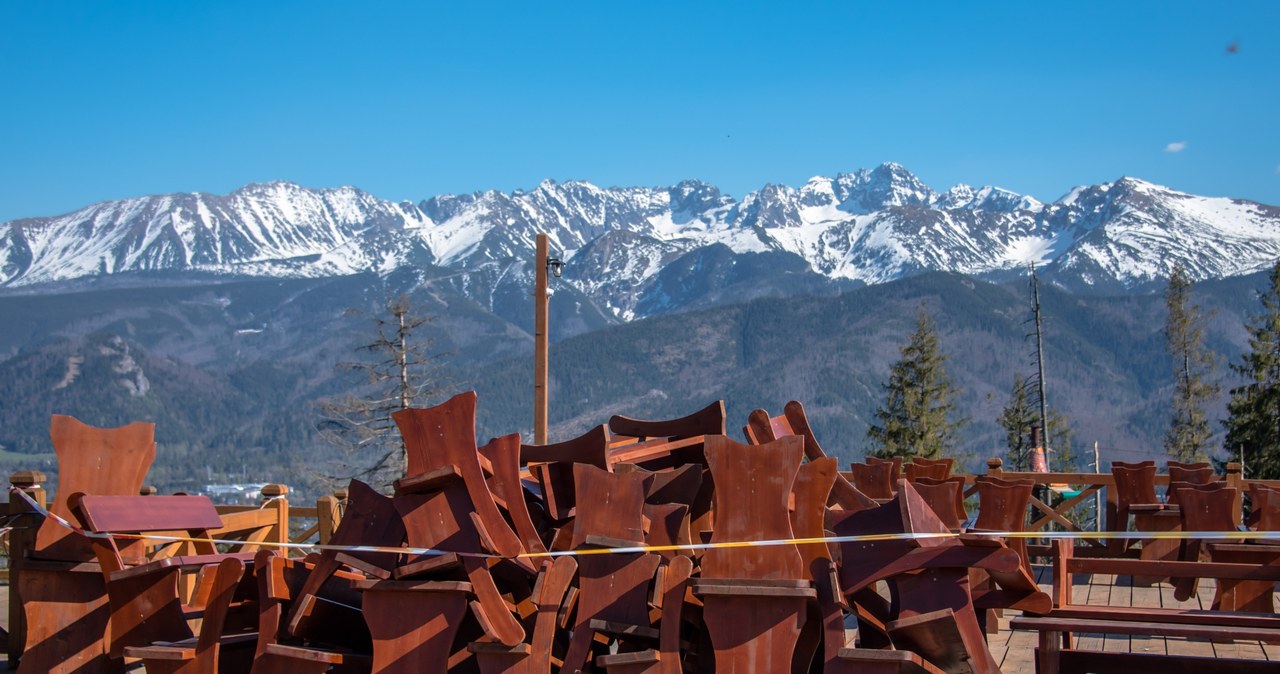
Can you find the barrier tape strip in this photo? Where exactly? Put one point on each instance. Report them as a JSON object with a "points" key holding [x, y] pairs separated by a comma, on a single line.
{"points": [[1245, 535]]}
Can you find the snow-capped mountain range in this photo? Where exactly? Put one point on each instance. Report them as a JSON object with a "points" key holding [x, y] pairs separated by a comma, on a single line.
{"points": [[642, 251]]}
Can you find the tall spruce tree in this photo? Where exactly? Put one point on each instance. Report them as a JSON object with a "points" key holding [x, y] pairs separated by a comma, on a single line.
{"points": [[1017, 418], [1189, 430], [1253, 422], [915, 419], [397, 373]]}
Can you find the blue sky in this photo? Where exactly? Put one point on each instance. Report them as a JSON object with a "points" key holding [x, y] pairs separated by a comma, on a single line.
{"points": [[104, 100]]}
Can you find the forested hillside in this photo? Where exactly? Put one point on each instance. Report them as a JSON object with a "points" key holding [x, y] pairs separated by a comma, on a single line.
{"points": [[230, 373]]}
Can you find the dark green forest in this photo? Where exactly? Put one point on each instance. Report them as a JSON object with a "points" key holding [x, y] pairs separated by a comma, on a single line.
{"points": [[232, 371]]}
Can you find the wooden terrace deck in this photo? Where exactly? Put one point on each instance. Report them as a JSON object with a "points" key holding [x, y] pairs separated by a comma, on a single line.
{"points": [[1015, 650]]}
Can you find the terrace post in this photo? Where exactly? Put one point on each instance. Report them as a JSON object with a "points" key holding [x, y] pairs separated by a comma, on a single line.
{"points": [[995, 467], [329, 513], [275, 497], [22, 540], [1235, 479]]}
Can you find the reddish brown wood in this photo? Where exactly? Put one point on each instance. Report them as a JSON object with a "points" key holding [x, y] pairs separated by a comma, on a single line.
{"points": [[1264, 507], [456, 516], [873, 479], [66, 616], [1135, 484], [895, 472], [755, 598], [552, 465], [709, 420], [937, 469], [945, 497], [925, 575], [64, 611], [1002, 506], [413, 623], [314, 602], [1211, 510], [203, 655], [107, 461], [554, 580], [1194, 473], [146, 606], [503, 455], [762, 428], [445, 435], [613, 589], [874, 661], [823, 633]]}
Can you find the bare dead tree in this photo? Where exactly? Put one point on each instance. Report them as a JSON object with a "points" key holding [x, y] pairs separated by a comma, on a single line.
{"points": [[397, 372]]}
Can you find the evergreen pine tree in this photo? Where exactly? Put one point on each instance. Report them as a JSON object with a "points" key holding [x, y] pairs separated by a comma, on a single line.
{"points": [[915, 419], [1017, 418], [1189, 430], [397, 375], [1253, 422]]}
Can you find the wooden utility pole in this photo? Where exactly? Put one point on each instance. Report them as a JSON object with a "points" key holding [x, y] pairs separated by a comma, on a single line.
{"points": [[540, 347]]}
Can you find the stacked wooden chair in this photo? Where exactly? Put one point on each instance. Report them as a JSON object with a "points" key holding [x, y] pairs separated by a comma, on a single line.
{"points": [[581, 556], [60, 585], [310, 614], [933, 619], [755, 598], [446, 506], [762, 428]]}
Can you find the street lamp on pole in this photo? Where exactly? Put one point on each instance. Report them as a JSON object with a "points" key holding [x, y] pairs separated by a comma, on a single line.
{"points": [[544, 266]]}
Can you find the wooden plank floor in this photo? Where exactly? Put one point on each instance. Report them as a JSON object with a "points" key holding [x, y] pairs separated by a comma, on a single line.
{"points": [[1015, 651]]}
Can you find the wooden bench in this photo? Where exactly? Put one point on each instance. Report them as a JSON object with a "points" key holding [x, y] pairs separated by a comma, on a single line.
{"points": [[148, 619], [1055, 653]]}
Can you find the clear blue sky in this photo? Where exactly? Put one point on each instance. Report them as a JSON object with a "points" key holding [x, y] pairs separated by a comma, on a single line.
{"points": [[104, 100]]}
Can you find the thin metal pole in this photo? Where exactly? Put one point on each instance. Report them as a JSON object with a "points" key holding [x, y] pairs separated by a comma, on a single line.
{"points": [[540, 347], [1097, 495]]}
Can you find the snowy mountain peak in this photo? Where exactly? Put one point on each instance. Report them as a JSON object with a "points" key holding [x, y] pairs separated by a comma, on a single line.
{"points": [[634, 250]]}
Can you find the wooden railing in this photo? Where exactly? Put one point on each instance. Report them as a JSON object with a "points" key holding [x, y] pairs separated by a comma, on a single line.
{"points": [[1089, 485]]}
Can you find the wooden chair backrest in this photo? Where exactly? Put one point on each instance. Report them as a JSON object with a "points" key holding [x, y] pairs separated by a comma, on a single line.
{"points": [[503, 455], [1002, 504], [1264, 511], [615, 587], [798, 419], [552, 465], [1205, 507], [874, 480], [946, 497], [616, 512], [1176, 489], [762, 428], [938, 469], [1195, 473], [752, 499], [91, 460], [709, 420], [895, 470], [591, 448], [442, 439], [1135, 483]]}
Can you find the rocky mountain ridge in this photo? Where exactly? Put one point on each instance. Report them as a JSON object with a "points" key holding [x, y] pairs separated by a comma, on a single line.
{"points": [[637, 252]]}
